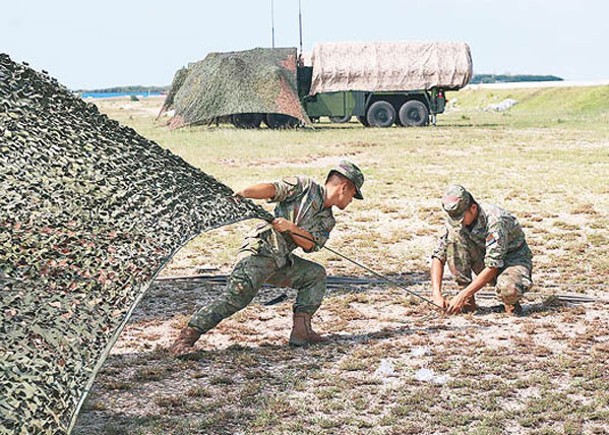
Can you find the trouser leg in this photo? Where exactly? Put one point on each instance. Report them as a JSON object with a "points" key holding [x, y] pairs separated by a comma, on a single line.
{"points": [[513, 282], [244, 282], [308, 278], [463, 257]]}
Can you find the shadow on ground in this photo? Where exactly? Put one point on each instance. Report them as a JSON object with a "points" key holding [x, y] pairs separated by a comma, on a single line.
{"points": [[166, 298]]}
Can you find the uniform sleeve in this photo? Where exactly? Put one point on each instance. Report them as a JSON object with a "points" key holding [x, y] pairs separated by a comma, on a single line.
{"points": [[496, 243], [288, 188], [320, 232], [440, 251]]}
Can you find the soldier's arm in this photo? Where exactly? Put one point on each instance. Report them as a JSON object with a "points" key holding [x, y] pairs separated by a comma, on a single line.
{"points": [[437, 272], [258, 191], [320, 231], [302, 238], [438, 259], [483, 278]]}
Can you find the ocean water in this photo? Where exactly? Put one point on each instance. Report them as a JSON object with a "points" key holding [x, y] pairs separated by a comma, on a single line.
{"points": [[117, 94]]}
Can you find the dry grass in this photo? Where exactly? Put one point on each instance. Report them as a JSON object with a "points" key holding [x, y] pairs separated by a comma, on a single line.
{"points": [[543, 373]]}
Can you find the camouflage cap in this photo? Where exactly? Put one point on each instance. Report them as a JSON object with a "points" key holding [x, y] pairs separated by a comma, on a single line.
{"points": [[353, 173], [456, 201]]}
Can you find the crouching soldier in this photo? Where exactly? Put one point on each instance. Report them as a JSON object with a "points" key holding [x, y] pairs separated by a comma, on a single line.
{"points": [[487, 240], [303, 218]]}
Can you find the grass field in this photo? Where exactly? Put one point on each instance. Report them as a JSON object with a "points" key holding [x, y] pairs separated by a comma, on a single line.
{"points": [[546, 160]]}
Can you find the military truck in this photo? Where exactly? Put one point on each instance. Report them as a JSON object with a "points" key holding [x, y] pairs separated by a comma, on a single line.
{"points": [[383, 83], [380, 83]]}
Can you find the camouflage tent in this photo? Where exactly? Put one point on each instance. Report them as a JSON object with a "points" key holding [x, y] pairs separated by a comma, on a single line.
{"points": [[89, 213], [261, 80]]}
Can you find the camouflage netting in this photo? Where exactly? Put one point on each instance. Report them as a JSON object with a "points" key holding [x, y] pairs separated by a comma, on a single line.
{"points": [[390, 66], [261, 80], [176, 84], [89, 213]]}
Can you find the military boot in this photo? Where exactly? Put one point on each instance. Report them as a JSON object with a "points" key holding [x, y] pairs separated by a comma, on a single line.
{"points": [[470, 305], [302, 332], [185, 341], [513, 310]]}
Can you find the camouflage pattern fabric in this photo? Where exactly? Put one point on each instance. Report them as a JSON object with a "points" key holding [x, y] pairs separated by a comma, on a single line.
{"points": [[301, 201], [266, 255], [354, 174], [176, 84], [90, 211], [262, 80], [495, 240], [248, 276]]}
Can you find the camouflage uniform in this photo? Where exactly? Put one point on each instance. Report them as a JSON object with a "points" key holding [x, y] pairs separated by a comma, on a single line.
{"points": [[266, 256], [494, 240]]}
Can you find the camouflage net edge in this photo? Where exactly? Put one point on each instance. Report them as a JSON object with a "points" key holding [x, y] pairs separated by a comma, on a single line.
{"points": [[90, 213]]}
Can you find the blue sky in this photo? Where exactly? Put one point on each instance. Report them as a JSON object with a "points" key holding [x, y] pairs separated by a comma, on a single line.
{"points": [[136, 42]]}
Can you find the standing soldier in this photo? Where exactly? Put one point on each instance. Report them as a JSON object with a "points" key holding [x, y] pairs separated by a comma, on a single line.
{"points": [[487, 240], [303, 218]]}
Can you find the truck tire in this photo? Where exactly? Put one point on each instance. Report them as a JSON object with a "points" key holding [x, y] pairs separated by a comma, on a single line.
{"points": [[247, 120], [279, 120], [381, 114], [363, 121], [414, 113], [340, 119]]}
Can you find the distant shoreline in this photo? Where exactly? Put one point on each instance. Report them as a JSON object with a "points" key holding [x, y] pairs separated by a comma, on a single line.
{"points": [[96, 95], [548, 84]]}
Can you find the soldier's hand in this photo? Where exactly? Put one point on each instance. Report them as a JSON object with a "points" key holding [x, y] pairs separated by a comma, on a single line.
{"points": [[440, 301], [282, 225], [456, 304], [236, 197]]}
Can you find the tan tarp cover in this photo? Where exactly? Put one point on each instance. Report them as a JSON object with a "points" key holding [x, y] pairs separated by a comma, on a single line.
{"points": [[390, 66]]}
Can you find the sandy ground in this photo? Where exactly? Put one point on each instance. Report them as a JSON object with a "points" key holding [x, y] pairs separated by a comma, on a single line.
{"points": [[379, 335]]}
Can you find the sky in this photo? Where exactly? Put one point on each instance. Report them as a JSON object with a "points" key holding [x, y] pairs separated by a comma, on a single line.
{"points": [[92, 45]]}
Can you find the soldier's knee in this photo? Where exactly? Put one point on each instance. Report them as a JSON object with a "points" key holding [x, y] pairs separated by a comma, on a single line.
{"points": [[313, 273], [319, 272], [240, 294], [508, 291]]}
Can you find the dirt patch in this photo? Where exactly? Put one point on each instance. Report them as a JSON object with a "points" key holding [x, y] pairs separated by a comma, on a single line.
{"points": [[245, 379]]}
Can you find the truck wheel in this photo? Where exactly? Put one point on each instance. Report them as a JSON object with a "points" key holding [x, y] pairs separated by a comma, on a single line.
{"points": [[381, 114], [340, 119], [363, 121], [247, 120], [414, 113], [279, 120]]}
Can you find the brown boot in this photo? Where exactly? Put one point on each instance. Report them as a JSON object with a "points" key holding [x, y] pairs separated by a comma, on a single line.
{"points": [[302, 332], [185, 342], [470, 305], [513, 310]]}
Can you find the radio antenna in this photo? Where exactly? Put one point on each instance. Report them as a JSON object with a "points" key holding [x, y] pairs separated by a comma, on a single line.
{"points": [[300, 25], [273, 23]]}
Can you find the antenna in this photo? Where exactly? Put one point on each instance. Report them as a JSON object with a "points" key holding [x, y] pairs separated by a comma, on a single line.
{"points": [[273, 23], [300, 25]]}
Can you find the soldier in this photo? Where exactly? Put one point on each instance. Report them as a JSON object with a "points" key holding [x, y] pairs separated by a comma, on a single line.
{"points": [[487, 240], [303, 218]]}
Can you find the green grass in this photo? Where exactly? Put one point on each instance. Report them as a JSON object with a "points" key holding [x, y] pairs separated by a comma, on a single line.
{"points": [[525, 160]]}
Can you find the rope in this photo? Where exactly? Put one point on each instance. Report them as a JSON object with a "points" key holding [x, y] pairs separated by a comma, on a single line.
{"points": [[269, 218], [383, 277]]}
